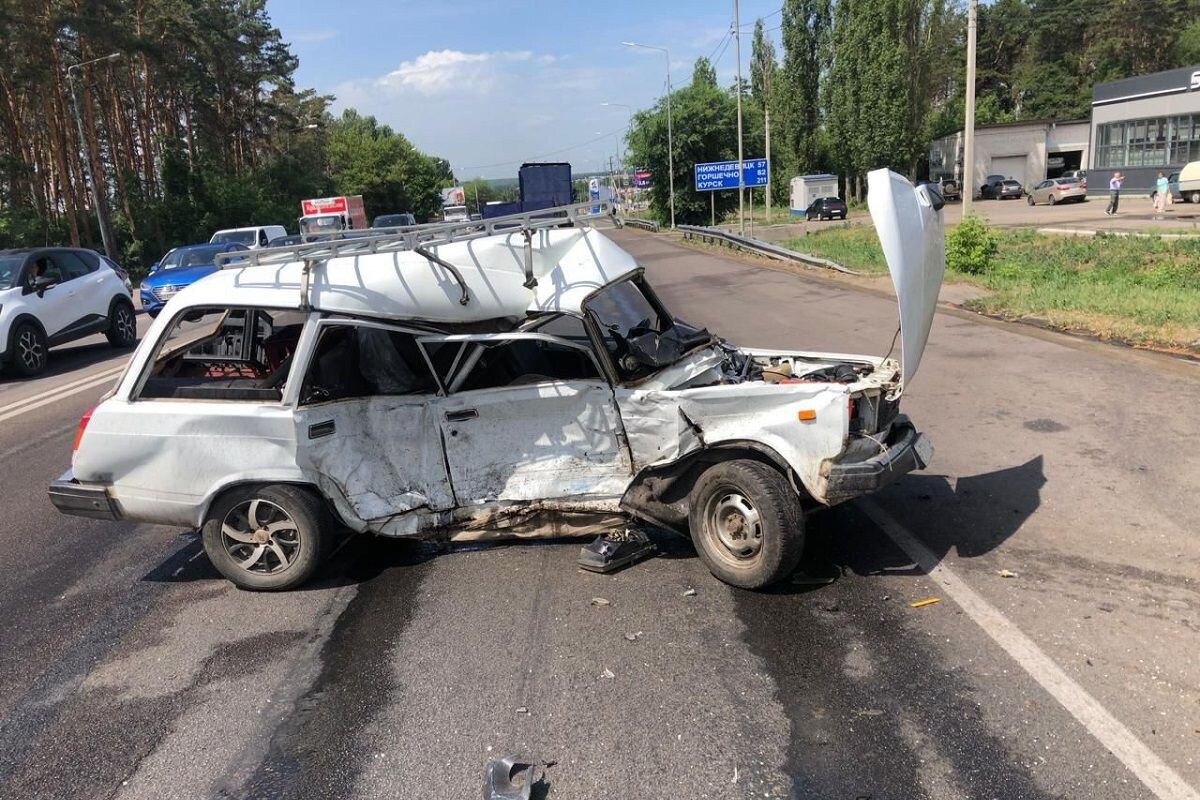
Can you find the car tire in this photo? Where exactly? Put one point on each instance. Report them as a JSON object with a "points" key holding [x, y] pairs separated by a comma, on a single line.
{"points": [[267, 538], [122, 325], [152, 313], [1053, 200], [1194, 197], [1029, 199], [732, 495], [29, 351]]}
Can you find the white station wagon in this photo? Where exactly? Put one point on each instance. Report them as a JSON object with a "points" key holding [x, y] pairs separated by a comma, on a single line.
{"points": [[502, 378]]}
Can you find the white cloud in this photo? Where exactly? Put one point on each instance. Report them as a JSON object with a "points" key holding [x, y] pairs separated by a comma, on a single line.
{"points": [[451, 71]]}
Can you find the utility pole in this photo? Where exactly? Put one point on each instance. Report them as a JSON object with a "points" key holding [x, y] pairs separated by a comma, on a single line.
{"points": [[670, 139], [92, 167], [737, 33], [766, 73], [967, 182]]}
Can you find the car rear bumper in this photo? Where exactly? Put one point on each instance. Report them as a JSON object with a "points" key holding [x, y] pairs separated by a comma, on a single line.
{"points": [[77, 499], [906, 450]]}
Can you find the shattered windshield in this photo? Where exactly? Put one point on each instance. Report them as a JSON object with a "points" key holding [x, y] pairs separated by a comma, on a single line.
{"points": [[640, 335]]}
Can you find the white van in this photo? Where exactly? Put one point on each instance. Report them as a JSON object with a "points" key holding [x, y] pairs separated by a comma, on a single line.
{"points": [[254, 237]]}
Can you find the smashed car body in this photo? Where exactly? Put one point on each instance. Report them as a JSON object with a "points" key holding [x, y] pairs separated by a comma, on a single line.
{"points": [[508, 379]]}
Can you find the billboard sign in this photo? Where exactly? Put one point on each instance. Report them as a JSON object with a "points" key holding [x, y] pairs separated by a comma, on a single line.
{"points": [[454, 196], [323, 205], [717, 175], [642, 178]]}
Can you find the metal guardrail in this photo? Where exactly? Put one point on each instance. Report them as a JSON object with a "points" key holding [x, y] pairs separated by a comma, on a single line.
{"points": [[644, 224], [718, 236]]}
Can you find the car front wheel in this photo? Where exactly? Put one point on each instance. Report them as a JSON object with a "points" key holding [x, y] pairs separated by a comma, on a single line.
{"points": [[267, 538], [1053, 200], [746, 523], [1194, 197], [122, 326], [1029, 199], [29, 350]]}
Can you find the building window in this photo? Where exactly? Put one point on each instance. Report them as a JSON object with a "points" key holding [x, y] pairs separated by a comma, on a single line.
{"points": [[1154, 142]]}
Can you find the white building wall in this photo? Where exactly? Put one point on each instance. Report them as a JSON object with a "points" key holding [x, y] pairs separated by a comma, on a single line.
{"points": [[1032, 142]]}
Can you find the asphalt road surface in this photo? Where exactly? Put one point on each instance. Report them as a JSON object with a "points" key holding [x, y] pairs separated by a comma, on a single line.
{"points": [[128, 669]]}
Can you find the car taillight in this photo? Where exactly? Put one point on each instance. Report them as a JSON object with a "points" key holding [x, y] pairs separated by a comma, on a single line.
{"points": [[83, 423]]}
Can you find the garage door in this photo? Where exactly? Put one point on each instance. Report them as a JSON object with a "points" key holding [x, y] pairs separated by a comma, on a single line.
{"points": [[1010, 167]]}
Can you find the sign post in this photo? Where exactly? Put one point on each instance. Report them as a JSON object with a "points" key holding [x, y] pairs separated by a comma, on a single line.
{"points": [[717, 175]]}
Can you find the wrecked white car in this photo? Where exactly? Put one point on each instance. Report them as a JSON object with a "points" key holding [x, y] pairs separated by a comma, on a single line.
{"points": [[493, 379]]}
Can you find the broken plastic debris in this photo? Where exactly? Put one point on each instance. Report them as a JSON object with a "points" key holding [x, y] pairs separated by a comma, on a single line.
{"points": [[608, 674], [1006, 573], [690, 593], [632, 637], [507, 779], [522, 710], [600, 601], [926, 602]]}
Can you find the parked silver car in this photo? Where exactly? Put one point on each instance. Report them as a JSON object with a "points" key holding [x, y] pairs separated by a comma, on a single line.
{"points": [[1057, 190], [476, 381]]}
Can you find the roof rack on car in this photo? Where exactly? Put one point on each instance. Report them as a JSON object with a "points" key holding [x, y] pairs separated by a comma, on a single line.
{"points": [[418, 239]]}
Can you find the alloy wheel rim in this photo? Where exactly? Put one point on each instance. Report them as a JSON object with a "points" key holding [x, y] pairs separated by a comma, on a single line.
{"points": [[260, 537], [125, 324], [31, 352]]}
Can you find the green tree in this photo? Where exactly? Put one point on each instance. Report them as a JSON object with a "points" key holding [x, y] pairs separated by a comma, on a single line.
{"points": [[705, 129], [805, 31]]}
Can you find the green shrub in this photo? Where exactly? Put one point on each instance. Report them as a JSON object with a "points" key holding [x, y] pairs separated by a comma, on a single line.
{"points": [[971, 246]]}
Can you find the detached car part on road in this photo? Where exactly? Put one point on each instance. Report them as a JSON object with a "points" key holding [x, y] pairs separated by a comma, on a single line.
{"points": [[493, 379]]}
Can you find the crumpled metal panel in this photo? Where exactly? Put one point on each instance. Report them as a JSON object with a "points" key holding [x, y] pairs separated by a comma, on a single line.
{"points": [[384, 457]]}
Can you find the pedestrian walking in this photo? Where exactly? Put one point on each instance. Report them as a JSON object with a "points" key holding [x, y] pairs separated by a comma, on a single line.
{"points": [[1114, 193], [1162, 189]]}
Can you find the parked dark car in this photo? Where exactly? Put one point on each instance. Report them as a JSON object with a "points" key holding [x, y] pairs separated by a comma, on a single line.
{"points": [[950, 189], [393, 220], [997, 187], [826, 208], [286, 241]]}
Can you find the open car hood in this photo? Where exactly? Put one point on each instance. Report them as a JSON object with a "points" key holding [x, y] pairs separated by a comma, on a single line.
{"points": [[908, 220]]}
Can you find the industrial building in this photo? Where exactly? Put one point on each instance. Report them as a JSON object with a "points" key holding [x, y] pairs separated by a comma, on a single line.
{"points": [[1140, 126]]}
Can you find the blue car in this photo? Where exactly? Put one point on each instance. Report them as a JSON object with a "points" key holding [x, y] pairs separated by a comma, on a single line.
{"points": [[179, 269]]}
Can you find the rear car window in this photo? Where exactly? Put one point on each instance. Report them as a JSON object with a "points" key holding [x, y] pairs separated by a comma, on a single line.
{"points": [[222, 353]]}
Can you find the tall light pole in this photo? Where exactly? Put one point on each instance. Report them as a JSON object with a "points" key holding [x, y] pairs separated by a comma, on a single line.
{"points": [[622, 155], [98, 196], [670, 139], [967, 184], [737, 41]]}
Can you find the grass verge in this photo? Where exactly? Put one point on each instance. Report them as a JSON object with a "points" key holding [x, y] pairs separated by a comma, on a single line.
{"points": [[1143, 291]]}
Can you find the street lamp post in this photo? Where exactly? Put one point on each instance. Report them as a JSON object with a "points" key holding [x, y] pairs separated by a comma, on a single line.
{"points": [[90, 170], [670, 138], [622, 154], [737, 33], [966, 184]]}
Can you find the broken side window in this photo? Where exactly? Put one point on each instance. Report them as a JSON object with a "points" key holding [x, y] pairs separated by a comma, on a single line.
{"points": [[222, 353], [361, 361], [639, 334], [508, 361]]}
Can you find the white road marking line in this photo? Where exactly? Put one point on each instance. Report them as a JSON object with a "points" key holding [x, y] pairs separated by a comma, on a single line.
{"points": [[56, 394], [1159, 778], [62, 387]]}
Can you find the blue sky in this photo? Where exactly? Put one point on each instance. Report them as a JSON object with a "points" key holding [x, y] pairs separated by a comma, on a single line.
{"points": [[490, 84]]}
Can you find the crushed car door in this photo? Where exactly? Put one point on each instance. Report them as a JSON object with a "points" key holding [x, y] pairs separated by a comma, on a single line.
{"points": [[366, 429], [529, 417]]}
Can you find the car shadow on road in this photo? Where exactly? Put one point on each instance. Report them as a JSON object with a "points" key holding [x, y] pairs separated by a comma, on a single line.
{"points": [[359, 559], [67, 359], [970, 516]]}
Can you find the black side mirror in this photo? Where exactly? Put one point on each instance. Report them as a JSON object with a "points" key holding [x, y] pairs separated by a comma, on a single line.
{"points": [[43, 283]]}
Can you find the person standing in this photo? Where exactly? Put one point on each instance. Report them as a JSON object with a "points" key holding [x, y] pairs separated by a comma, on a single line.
{"points": [[1162, 189], [1114, 193]]}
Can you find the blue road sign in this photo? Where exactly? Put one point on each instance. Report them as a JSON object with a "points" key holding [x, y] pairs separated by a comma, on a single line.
{"points": [[723, 174]]}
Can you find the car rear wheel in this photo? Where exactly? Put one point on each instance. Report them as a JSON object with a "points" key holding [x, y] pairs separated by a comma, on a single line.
{"points": [[1029, 199], [1053, 200], [1194, 197], [267, 538], [746, 523], [122, 326], [29, 350]]}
